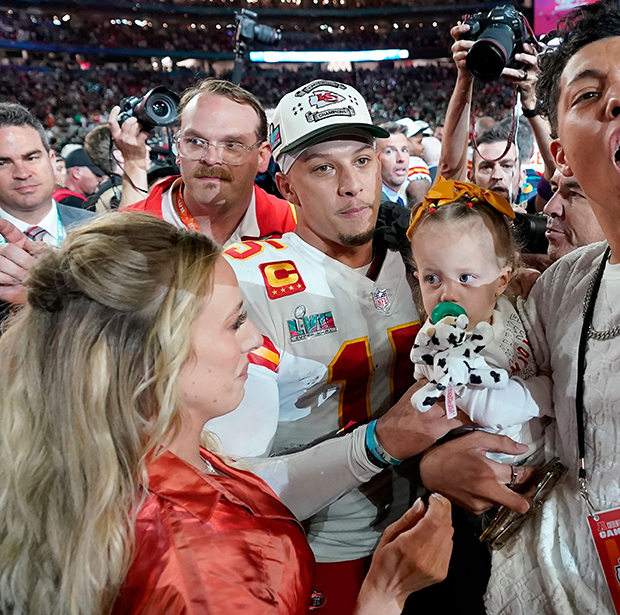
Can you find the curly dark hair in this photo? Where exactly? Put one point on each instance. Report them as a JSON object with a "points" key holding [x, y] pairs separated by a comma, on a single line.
{"points": [[582, 26]]}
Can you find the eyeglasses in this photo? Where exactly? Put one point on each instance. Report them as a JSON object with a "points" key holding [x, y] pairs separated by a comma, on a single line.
{"points": [[196, 148]]}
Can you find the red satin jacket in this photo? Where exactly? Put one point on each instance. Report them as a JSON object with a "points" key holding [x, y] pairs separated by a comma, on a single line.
{"points": [[214, 545], [274, 216]]}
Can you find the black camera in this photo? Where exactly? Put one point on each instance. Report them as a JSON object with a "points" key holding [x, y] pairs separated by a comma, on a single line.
{"points": [[529, 230], [499, 35], [248, 29], [158, 107]]}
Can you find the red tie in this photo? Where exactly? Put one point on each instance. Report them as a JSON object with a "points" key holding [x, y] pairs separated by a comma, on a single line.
{"points": [[36, 233]]}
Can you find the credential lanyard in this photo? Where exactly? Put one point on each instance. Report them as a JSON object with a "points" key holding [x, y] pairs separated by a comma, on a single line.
{"points": [[186, 217], [581, 370], [60, 231]]}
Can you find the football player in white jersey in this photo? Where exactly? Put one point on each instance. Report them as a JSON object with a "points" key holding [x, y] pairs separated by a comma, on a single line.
{"points": [[337, 319]]}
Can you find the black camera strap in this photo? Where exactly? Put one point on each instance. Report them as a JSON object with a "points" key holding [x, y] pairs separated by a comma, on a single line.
{"points": [[511, 136], [588, 313]]}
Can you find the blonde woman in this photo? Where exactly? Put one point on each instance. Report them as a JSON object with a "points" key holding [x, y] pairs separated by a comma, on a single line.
{"points": [[133, 337]]}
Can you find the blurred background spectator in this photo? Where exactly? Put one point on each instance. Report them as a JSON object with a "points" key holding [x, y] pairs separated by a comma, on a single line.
{"points": [[70, 68]]}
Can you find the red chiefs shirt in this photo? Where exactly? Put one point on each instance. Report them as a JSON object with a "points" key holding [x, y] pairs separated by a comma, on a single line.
{"points": [[267, 215]]}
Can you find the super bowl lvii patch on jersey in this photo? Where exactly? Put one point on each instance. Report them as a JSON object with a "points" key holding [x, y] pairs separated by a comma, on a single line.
{"points": [[302, 327]]}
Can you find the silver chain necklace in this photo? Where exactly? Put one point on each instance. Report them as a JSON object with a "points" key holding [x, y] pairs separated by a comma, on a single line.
{"points": [[592, 332]]}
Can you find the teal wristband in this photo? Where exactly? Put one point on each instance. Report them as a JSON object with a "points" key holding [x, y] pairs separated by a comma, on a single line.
{"points": [[374, 446]]}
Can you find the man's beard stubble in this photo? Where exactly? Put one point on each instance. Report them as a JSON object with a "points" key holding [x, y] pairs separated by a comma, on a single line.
{"points": [[354, 241]]}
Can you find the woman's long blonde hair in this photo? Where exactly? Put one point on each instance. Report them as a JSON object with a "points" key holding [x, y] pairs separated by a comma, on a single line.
{"points": [[88, 374]]}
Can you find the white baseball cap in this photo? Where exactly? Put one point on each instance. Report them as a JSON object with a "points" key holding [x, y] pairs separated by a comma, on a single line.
{"points": [[415, 127], [317, 112]]}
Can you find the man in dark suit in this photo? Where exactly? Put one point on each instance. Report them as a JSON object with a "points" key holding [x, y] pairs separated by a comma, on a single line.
{"points": [[29, 217]]}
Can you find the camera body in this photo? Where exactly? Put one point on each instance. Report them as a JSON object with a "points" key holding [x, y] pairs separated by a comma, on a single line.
{"points": [[158, 107], [499, 35], [530, 233], [248, 29]]}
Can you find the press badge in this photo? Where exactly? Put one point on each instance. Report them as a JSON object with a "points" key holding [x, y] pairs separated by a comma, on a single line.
{"points": [[605, 528]]}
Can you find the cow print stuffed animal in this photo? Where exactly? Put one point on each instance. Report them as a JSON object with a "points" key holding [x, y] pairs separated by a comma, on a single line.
{"points": [[447, 356]]}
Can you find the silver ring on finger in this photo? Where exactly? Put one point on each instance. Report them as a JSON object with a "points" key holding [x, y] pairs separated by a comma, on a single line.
{"points": [[513, 477]]}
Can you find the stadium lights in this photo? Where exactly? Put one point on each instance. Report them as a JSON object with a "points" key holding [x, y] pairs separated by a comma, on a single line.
{"points": [[66, 18], [371, 55]]}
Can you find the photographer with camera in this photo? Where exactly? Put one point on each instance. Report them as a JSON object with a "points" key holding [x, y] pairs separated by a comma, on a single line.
{"points": [[83, 178], [247, 30], [491, 169], [220, 147], [120, 147]]}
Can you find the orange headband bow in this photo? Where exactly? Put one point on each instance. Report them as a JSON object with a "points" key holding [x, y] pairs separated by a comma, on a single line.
{"points": [[447, 191]]}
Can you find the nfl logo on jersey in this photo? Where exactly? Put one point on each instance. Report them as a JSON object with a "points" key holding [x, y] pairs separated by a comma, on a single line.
{"points": [[381, 299]]}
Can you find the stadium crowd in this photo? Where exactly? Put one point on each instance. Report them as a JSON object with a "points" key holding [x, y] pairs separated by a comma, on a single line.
{"points": [[215, 36], [69, 102], [177, 5], [335, 341]]}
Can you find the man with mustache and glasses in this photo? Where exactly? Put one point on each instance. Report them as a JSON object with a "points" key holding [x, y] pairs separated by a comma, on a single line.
{"points": [[221, 146], [338, 323]]}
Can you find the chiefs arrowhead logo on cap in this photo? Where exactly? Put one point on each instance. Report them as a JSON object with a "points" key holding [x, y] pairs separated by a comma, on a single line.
{"points": [[322, 98]]}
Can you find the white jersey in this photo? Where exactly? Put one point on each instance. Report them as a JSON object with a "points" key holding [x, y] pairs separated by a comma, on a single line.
{"points": [[336, 351]]}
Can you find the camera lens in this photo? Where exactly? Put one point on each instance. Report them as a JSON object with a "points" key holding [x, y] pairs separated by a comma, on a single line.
{"points": [[530, 233], [160, 108], [491, 52], [267, 35]]}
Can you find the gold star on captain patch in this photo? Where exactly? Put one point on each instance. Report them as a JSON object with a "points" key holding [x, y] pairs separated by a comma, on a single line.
{"points": [[283, 290], [291, 288], [298, 285], [275, 292]]}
